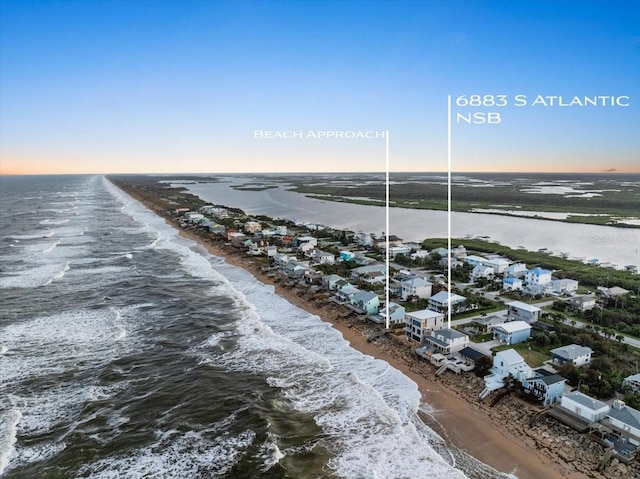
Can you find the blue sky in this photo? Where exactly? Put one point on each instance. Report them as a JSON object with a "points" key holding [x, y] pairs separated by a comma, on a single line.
{"points": [[168, 86]]}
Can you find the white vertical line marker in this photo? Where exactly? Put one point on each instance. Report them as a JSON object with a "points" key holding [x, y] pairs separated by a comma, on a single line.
{"points": [[449, 209], [386, 228]]}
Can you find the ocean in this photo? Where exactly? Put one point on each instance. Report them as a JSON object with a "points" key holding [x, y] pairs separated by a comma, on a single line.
{"points": [[127, 351]]}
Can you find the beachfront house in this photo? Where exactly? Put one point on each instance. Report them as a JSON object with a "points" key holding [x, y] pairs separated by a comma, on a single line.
{"points": [[546, 387], [584, 407], [512, 284], [572, 353], [417, 286], [444, 300], [483, 324], [624, 421], [507, 363], [366, 301], [396, 314], [346, 293], [362, 271], [419, 323], [342, 284], [519, 311], [447, 341], [512, 332], [330, 280]]}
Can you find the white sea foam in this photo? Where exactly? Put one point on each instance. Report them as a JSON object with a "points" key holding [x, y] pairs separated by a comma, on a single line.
{"points": [[8, 436], [176, 455], [34, 277]]}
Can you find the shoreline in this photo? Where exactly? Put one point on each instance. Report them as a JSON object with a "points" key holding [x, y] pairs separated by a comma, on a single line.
{"points": [[498, 437]]}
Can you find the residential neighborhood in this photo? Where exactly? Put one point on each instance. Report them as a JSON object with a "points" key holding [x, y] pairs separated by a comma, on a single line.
{"points": [[505, 314]]}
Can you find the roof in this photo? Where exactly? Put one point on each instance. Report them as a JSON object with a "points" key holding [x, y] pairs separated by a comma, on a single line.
{"points": [[523, 306], [586, 401], [489, 320], [471, 353], [539, 271], [473, 257], [626, 415], [633, 377], [446, 297], [513, 326], [448, 333], [364, 296], [572, 351], [552, 379], [417, 281], [425, 314], [498, 261], [511, 280], [511, 356]]}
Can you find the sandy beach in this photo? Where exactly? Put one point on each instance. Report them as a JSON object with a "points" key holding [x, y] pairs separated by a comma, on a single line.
{"points": [[499, 436]]}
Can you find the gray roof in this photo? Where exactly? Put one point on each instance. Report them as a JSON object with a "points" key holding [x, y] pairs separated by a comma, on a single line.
{"points": [[586, 401], [626, 415], [552, 379], [571, 351], [449, 333], [364, 296], [471, 353]]}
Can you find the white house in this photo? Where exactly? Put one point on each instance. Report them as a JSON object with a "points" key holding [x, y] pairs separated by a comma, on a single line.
{"points": [[363, 270], [573, 353], [419, 323], [306, 239], [443, 300], [517, 270], [481, 271], [306, 248], [505, 363], [625, 422], [538, 277], [512, 284], [474, 260], [374, 277], [519, 311], [396, 250], [417, 286], [564, 285], [499, 265], [322, 257], [396, 314], [447, 341], [330, 280], [420, 254], [584, 406], [281, 230]]}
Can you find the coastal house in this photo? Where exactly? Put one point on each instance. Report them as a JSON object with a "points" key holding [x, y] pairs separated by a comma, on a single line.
{"points": [[481, 271], [584, 407], [459, 252], [322, 257], [343, 283], [583, 302], [346, 255], [483, 324], [419, 323], [442, 301], [252, 227], [624, 421], [419, 254], [366, 301], [374, 277], [516, 270], [512, 332], [237, 239], [538, 277], [632, 382], [546, 387], [281, 230], [396, 314], [363, 270], [572, 353], [519, 311], [306, 248], [193, 217], [330, 280], [475, 260], [346, 293], [295, 269], [363, 239], [564, 286], [512, 283], [447, 341], [313, 277], [613, 292], [306, 239], [417, 286], [381, 243], [507, 363], [399, 250], [216, 229], [270, 251], [498, 265], [441, 252]]}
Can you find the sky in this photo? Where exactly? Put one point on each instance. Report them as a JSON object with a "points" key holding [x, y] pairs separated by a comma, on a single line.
{"points": [[170, 87]]}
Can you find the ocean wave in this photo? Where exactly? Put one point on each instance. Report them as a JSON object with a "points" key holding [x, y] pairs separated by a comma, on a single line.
{"points": [[8, 436]]}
